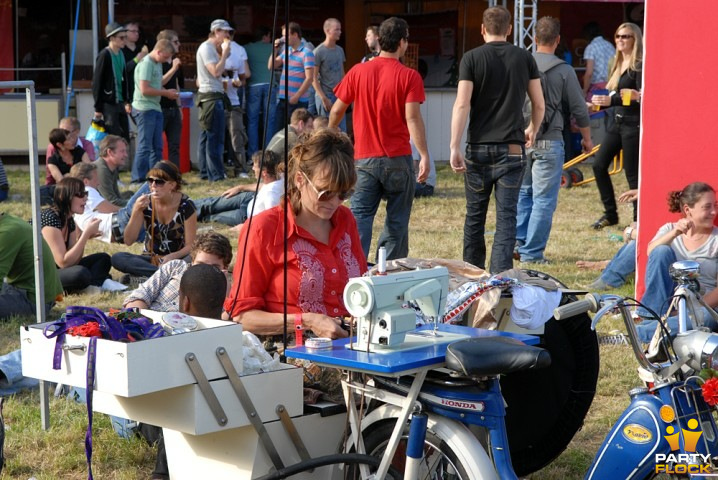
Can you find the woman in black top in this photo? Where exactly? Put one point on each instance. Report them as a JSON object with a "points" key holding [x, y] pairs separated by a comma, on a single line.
{"points": [[67, 154], [67, 242], [625, 77]]}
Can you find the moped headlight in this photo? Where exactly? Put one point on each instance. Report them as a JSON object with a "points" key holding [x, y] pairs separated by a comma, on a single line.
{"points": [[699, 348]]}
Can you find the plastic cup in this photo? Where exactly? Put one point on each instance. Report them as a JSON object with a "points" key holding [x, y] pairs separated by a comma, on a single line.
{"points": [[598, 91], [626, 97]]}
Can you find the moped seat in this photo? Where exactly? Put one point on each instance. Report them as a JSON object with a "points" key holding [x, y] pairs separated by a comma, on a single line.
{"points": [[490, 356]]}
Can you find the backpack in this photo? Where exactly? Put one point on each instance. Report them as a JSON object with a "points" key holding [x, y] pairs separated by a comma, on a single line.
{"points": [[551, 110]]}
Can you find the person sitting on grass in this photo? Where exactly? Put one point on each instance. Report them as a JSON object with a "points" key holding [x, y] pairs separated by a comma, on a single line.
{"points": [[161, 291], [324, 250], [693, 237], [234, 206], [201, 295], [113, 219], [169, 218], [17, 268], [67, 242], [66, 154]]}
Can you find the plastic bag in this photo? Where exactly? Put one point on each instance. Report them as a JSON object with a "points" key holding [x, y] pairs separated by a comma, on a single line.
{"points": [[95, 134]]}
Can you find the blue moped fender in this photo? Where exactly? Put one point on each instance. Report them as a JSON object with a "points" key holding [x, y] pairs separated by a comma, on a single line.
{"points": [[630, 449]]}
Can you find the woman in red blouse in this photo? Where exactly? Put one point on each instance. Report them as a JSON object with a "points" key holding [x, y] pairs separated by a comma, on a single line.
{"points": [[324, 250]]}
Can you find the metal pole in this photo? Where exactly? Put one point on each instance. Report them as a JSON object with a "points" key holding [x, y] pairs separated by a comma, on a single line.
{"points": [[29, 87], [94, 33], [65, 106]]}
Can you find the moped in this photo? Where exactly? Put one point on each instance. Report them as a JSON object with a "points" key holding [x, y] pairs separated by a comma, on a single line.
{"points": [[668, 428]]}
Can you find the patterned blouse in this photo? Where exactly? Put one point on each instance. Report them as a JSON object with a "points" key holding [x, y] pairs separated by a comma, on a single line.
{"points": [[317, 272], [50, 218], [168, 238]]}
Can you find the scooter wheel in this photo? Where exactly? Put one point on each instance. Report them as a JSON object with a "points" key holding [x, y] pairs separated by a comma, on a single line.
{"points": [[576, 175], [566, 180]]}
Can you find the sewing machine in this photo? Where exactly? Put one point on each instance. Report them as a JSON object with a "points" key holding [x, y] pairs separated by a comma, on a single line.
{"points": [[379, 304]]}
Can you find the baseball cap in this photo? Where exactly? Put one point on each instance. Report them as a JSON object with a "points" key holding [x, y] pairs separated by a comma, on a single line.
{"points": [[113, 29], [220, 24]]}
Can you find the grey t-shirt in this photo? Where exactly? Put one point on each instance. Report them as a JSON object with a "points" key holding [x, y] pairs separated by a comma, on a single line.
{"points": [[330, 65], [706, 255], [207, 53]]}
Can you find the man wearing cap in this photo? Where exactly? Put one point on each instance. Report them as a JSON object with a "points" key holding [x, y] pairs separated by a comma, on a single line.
{"points": [[110, 83], [211, 99], [148, 90]]}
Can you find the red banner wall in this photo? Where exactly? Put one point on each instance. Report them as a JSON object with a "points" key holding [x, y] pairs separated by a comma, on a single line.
{"points": [[680, 104], [7, 52]]}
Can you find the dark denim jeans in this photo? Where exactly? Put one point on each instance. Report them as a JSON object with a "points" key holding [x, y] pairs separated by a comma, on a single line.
{"points": [[391, 178], [173, 129], [257, 113], [489, 168], [211, 146], [621, 266]]}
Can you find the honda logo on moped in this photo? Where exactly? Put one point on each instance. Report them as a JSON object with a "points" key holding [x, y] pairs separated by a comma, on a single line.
{"points": [[478, 406]]}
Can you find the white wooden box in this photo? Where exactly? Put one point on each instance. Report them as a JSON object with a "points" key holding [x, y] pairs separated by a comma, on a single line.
{"points": [[185, 409], [131, 369]]}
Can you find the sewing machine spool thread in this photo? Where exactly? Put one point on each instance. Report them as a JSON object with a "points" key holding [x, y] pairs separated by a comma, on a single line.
{"points": [[381, 261]]}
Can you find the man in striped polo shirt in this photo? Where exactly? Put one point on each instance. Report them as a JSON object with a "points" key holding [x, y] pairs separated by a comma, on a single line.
{"points": [[300, 77]]}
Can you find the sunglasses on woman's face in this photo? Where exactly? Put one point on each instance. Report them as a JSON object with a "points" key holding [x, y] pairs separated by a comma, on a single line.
{"points": [[81, 194], [157, 181], [623, 36], [326, 195]]}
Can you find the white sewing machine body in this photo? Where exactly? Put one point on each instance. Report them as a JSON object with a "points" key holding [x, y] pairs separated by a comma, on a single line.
{"points": [[380, 306]]}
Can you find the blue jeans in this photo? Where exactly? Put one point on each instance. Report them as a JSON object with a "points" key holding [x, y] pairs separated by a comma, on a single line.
{"points": [[647, 328], [659, 284], [211, 146], [229, 211], [279, 120], [490, 167], [124, 214], [621, 265], [391, 178], [324, 113], [538, 198], [149, 143], [257, 109]]}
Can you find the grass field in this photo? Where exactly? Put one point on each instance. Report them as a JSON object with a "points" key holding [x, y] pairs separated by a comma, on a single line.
{"points": [[436, 231]]}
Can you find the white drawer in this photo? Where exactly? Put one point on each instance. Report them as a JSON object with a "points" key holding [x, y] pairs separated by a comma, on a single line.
{"points": [[131, 369]]}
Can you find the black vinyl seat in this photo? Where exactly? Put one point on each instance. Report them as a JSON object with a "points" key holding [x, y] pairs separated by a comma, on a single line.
{"points": [[490, 356]]}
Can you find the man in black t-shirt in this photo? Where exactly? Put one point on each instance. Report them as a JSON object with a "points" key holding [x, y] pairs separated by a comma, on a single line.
{"points": [[493, 82], [170, 109]]}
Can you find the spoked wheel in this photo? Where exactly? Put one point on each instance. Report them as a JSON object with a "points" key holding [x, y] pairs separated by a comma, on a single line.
{"points": [[439, 462]]}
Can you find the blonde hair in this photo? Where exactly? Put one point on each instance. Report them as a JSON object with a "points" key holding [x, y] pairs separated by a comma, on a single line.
{"points": [[636, 55]]}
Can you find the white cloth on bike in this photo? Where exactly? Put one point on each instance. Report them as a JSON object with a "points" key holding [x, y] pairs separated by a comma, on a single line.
{"points": [[533, 306]]}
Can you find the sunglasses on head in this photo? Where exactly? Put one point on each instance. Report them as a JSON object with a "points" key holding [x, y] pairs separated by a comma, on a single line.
{"points": [[326, 195], [81, 194], [156, 181], [624, 36]]}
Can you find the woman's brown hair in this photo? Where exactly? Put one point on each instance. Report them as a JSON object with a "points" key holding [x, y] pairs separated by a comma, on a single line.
{"points": [[325, 149], [65, 190], [167, 171], [688, 196]]}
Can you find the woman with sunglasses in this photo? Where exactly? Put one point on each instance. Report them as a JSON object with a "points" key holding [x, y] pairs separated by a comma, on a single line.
{"points": [[170, 220], [323, 253], [67, 242], [624, 84]]}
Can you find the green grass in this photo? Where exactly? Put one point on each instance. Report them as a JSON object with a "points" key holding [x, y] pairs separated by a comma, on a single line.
{"points": [[436, 231]]}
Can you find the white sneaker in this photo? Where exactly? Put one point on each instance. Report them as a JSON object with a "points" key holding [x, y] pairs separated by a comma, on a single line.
{"points": [[113, 286], [243, 175]]}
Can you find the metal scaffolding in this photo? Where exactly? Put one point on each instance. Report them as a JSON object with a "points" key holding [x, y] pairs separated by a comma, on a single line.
{"points": [[525, 15]]}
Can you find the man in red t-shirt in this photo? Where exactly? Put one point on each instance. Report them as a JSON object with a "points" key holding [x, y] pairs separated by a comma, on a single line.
{"points": [[386, 97]]}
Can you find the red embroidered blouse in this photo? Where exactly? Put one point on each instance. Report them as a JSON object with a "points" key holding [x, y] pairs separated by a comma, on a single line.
{"points": [[317, 273]]}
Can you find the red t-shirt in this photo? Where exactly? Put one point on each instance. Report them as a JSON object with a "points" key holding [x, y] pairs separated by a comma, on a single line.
{"points": [[317, 273], [380, 90]]}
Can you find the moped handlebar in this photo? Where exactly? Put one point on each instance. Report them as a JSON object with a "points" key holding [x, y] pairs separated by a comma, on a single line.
{"points": [[589, 304]]}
